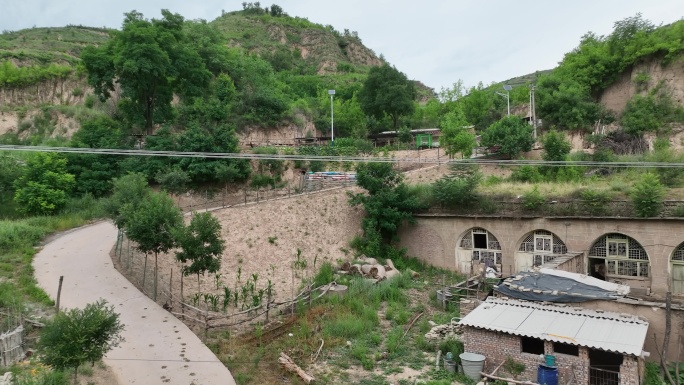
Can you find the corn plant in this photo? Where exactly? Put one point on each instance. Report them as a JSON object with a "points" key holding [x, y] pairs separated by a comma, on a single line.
{"points": [[196, 299], [217, 280], [227, 295], [214, 300]]}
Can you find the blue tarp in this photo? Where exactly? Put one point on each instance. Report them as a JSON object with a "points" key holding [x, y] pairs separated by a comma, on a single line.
{"points": [[551, 288]]}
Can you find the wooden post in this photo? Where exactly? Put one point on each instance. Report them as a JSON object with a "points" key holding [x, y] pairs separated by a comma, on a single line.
{"points": [[171, 288], [444, 293], [59, 291], [268, 305], [182, 299], [206, 324], [668, 328], [245, 195]]}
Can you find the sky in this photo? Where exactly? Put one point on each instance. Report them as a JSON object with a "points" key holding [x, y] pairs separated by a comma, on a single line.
{"points": [[437, 42]]}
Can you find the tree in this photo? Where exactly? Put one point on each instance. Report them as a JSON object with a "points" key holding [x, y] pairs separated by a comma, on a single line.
{"points": [[512, 134], [647, 195], [459, 187], [556, 147], [77, 336], [152, 226], [200, 243], [388, 203], [387, 91], [128, 191], [456, 136], [174, 181], [45, 184], [151, 61]]}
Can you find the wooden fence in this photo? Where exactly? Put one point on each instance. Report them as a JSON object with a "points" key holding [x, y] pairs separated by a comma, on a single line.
{"points": [[210, 320], [11, 346]]}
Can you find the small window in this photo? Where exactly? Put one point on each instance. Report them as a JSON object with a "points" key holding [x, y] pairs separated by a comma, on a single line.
{"points": [[531, 345], [571, 350], [480, 241]]}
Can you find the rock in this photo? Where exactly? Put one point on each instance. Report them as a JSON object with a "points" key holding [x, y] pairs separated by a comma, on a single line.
{"points": [[443, 332]]}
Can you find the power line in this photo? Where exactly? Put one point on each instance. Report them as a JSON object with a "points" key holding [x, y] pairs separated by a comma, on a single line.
{"points": [[330, 158]]}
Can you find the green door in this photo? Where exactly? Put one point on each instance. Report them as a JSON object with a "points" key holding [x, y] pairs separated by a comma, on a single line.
{"points": [[677, 278]]}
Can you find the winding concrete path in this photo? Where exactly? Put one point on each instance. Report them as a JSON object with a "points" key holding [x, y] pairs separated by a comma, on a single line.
{"points": [[159, 349]]}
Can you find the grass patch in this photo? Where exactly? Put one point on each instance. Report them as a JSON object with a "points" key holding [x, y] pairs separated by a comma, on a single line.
{"points": [[18, 239]]}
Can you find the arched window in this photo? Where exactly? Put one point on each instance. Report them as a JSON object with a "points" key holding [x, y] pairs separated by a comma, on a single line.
{"points": [[678, 270], [544, 245], [623, 255], [484, 245]]}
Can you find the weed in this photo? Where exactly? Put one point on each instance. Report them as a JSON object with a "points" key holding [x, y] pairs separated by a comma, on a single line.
{"points": [[272, 240]]}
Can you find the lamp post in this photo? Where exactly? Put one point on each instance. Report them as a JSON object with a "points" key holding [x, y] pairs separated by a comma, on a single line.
{"points": [[332, 120], [507, 96]]}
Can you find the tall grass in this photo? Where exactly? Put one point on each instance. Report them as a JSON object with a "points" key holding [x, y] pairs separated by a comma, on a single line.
{"points": [[18, 239]]}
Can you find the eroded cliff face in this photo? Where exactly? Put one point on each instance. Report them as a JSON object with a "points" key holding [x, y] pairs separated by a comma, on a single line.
{"points": [[69, 91], [643, 77]]}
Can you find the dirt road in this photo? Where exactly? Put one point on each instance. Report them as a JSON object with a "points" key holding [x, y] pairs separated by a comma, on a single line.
{"points": [[159, 349]]}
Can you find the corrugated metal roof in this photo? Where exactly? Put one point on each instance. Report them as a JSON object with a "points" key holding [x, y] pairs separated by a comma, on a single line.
{"points": [[615, 332]]}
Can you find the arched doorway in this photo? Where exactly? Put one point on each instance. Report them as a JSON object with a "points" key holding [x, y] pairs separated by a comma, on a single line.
{"points": [[478, 246], [624, 258], [539, 247], [677, 269]]}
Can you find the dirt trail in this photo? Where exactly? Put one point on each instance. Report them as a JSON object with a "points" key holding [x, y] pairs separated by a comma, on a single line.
{"points": [[158, 348]]}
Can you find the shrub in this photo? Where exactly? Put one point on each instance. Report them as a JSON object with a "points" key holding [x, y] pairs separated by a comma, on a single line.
{"points": [[678, 211], [528, 174], [532, 200], [647, 196], [594, 201]]}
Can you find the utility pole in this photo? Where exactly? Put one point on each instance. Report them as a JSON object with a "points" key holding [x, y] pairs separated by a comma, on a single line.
{"points": [[332, 120], [534, 111]]}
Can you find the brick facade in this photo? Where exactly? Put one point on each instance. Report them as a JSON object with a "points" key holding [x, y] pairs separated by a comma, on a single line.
{"points": [[497, 347]]}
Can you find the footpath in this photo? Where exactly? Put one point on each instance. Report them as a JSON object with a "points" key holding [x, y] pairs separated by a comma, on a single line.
{"points": [[158, 348]]}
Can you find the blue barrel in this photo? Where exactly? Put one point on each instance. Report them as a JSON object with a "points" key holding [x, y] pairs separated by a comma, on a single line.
{"points": [[547, 375]]}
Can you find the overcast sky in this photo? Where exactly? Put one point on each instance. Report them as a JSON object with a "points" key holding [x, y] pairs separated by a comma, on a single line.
{"points": [[435, 41]]}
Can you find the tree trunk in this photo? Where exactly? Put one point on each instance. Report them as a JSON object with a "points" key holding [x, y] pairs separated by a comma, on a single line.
{"points": [[144, 272]]}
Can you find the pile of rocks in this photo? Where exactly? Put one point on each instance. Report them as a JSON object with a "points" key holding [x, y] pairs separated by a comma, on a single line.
{"points": [[442, 332]]}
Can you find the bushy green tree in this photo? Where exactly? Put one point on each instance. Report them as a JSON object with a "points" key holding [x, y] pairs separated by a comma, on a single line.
{"points": [[459, 188], [96, 172], [128, 192], [151, 226], [647, 195], [388, 203], [200, 243], [387, 91], [44, 187], [456, 135], [512, 134], [151, 60], [556, 146], [77, 336]]}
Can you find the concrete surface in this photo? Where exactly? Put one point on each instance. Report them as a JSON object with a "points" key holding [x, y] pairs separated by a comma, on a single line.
{"points": [[158, 348]]}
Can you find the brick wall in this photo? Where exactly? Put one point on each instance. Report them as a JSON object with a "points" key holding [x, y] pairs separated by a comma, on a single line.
{"points": [[496, 347], [629, 371]]}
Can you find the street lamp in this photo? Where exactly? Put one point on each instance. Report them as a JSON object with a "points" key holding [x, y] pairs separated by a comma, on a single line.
{"points": [[332, 120], [507, 96]]}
